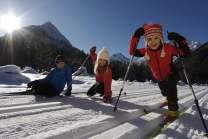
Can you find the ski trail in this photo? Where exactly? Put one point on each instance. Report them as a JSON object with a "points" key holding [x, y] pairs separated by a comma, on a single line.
{"points": [[146, 122], [90, 130], [30, 126], [28, 107], [83, 112]]}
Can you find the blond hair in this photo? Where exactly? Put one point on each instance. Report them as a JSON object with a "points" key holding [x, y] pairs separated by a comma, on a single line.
{"points": [[105, 68]]}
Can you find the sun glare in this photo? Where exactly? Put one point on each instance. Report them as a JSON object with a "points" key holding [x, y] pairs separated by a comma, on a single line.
{"points": [[9, 22]]}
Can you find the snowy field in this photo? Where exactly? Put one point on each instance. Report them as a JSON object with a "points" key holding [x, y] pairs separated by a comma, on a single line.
{"points": [[80, 117]]}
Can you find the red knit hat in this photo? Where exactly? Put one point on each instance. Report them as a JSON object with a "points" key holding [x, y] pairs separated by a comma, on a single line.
{"points": [[152, 30]]}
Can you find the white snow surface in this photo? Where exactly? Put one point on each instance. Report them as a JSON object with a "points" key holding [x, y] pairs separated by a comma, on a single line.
{"points": [[81, 117]]}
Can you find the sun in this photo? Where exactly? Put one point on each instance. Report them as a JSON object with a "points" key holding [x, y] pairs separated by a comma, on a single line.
{"points": [[9, 22]]}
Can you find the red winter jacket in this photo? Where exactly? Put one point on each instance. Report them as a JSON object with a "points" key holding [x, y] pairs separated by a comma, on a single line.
{"points": [[106, 78], [161, 67]]}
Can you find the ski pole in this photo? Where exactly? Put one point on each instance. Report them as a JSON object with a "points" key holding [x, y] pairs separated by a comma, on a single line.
{"points": [[115, 107], [61, 95], [126, 75], [193, 94]]}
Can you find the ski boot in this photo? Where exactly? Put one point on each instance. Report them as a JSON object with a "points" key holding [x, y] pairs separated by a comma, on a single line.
{"points": [[170, 115]]}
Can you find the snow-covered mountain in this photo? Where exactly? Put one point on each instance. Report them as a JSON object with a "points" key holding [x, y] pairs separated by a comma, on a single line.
{"points": [[192, 44], [52, 35], [35, 33], [119, 57]]}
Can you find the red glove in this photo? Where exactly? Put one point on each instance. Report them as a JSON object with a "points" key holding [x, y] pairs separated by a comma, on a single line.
{"points": [[93, 49], [132, 44]]}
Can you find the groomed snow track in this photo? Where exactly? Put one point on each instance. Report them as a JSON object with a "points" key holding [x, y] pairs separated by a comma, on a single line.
{"points": [[72, 111]]}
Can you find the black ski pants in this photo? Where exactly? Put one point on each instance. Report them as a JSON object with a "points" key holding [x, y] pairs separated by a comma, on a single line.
{"points": [[169, 89], [45, 89], [96, 88]]}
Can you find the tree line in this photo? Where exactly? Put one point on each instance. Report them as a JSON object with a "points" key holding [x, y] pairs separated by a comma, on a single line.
{"points": [[41, 56]]}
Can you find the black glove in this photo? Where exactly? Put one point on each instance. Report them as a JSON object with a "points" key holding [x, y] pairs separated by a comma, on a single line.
{"points": [[139, 32], [175, 36], [106, 99], [68, 92], [32, 83], [93, 49]]}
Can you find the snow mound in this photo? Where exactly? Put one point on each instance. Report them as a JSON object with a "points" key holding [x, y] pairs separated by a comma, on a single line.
{"points": [[11, 69], [11, 74], [29, 70]]}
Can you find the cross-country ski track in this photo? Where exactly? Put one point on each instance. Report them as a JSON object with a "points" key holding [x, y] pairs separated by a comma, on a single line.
{"points": [[79, 115]]}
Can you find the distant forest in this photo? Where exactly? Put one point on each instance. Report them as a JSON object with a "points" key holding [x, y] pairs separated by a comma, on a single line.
{"points": [[41, 56]]}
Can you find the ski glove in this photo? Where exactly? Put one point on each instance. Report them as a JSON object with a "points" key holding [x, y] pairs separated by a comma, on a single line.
{"points": [[30, 84], [68, 92], [139, 32], [175, 36], [106, 99], [132, 45], [93, 49]]}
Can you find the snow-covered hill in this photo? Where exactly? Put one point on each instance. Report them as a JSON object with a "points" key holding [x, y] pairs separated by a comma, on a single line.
{"points": [[80, 117]]}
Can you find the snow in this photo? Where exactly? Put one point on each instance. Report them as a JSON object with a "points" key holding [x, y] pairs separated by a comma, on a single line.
{"points": [[80, 117]]}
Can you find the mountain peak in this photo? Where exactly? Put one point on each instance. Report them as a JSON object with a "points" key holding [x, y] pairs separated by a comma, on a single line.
{"points": [[48, 24], [119, 57], [35, 32], [192, 44]]}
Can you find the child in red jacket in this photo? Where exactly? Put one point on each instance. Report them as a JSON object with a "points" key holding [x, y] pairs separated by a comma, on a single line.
{"points": [[159, 56], [103, 74]]}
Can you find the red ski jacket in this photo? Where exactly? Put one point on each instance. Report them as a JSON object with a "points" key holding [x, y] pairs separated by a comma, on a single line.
{"points": [[161, 67], [106, 78]]}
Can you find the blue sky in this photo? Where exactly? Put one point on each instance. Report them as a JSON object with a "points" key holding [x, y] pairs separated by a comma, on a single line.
{"points": [[110, 23]]}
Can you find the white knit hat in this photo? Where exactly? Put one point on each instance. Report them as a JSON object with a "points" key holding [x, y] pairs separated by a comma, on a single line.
{"points": [[103, 54]]}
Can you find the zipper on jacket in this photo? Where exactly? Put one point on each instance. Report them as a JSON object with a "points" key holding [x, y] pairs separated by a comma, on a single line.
{"points": [[159, 66]]}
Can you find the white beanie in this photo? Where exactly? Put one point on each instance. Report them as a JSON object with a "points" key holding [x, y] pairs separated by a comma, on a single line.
{"points": [[103, 54]]}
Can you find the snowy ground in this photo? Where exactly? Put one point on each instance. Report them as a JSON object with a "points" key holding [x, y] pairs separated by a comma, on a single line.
{"points": [[80, 117]]}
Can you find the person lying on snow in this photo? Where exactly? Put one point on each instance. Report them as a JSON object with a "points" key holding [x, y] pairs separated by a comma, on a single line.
{"points": [[159, 56], [53, 84], [103, 74]]}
